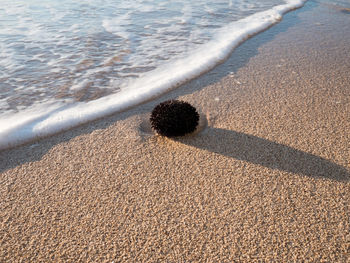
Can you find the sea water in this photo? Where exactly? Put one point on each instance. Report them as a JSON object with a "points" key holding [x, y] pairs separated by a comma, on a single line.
{"points": [[66, 62]]}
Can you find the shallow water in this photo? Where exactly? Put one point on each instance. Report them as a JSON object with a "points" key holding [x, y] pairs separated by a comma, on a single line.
{"points": [[62, 50]]}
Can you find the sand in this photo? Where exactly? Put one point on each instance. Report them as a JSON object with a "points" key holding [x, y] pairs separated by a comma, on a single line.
{"points": [[267, 180]]}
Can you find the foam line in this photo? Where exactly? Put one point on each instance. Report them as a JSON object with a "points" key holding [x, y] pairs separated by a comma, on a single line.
{"points": [[40, 122]]}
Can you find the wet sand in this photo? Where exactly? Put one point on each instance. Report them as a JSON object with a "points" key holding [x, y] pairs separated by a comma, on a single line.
{"points": [[266, 180]]}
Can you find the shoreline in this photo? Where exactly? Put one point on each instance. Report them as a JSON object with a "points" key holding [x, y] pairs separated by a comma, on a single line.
{"points": [[49, 119], [268, 179]]}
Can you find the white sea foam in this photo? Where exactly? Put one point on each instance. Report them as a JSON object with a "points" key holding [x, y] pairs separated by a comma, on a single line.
{"points": [[115, 26], [49, 117]]}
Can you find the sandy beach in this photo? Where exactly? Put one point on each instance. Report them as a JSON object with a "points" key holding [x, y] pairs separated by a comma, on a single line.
{"points": [[266, 180]]}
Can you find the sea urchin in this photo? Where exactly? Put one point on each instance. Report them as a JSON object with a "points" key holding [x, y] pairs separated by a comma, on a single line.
{"points": [[174, 118]]}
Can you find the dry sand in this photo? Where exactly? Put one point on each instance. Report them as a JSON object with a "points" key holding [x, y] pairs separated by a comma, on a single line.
{"points": [[267, 180]]}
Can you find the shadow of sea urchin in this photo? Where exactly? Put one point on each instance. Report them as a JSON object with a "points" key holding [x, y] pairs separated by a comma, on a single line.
{"points": [[174, 118]]}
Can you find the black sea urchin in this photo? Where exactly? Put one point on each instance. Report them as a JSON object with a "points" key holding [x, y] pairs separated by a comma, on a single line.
{"points": [[174, 118]]}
